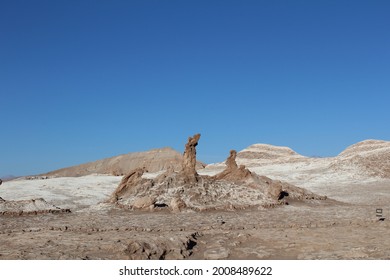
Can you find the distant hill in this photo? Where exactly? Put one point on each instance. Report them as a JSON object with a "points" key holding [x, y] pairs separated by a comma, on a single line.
{"points": [[367, 158], [370, 157], [153, 160], [359, 162]]}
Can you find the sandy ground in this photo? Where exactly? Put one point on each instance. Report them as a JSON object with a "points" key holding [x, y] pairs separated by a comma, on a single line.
{"points": [[343, 227]]}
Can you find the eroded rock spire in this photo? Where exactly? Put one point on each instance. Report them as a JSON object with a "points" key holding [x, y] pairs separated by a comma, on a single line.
{"points": [[233, 171], [189, 158]]}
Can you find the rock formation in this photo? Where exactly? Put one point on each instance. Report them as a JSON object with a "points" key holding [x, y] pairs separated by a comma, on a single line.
{"points": [[128, 182], [1, 182], [234, 188], [232, 171], [174, 248], [189, 159]]}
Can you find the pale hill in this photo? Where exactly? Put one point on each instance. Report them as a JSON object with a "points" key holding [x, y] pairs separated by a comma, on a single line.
{"points": [[366, 147], [153, 160], [363, 162], [370, 157], [264, 153]]}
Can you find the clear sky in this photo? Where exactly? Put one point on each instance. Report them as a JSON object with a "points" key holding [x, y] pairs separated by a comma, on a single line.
{"points": [[83, 80]]}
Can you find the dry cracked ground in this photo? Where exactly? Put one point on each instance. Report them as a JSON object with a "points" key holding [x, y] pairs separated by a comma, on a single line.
{"points": [[310, 230]]}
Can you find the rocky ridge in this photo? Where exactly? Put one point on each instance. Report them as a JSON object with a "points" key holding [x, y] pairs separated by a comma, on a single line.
{"points": [[236, 187], [365, 161]]}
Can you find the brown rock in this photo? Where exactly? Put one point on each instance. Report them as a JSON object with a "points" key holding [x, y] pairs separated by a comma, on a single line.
{"points": [[131, 180], [232, 171], [275, 190], [231, 161], [144, 202], [177, 204], [156, 248], [189, 159], [234, 188]]}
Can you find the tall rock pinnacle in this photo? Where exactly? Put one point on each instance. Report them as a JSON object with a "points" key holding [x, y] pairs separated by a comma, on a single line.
{"points": [[189, 158]]}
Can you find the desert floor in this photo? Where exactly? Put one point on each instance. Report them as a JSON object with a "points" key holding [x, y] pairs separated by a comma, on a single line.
{"points": [[343, 227]]}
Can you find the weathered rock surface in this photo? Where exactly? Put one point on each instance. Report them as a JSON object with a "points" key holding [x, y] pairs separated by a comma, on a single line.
{"points": [[234, 188], [177, 204], [128, 183], [189, 159], [174, 248], [232, 171], [144, 202]]}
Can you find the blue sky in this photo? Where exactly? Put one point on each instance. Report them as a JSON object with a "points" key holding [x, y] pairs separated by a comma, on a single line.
{"points": [[84, 80]]}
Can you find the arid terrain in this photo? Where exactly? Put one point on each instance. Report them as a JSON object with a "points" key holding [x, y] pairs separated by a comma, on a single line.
{"points": [[264, 202]]}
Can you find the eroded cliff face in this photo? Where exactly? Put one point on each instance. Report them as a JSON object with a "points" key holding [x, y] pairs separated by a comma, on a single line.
{"points": [[234, 188]]}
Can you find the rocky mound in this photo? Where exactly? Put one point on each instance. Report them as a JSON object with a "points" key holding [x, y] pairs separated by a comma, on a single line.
{"points": [[26, 207], [370, 157], [234, 188], [153, 160]]}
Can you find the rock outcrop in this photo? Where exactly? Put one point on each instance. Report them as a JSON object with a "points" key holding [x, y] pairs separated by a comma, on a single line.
{"points": [[189, 159], [128, 183], [174, 248], [232, 172], [234, 188]]}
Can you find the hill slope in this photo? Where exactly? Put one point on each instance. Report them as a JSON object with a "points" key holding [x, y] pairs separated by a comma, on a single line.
{"points": [[153, 160], [363, 161]]}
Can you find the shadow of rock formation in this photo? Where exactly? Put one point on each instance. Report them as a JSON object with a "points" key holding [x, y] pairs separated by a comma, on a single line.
{"points": [[234, 188]]}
